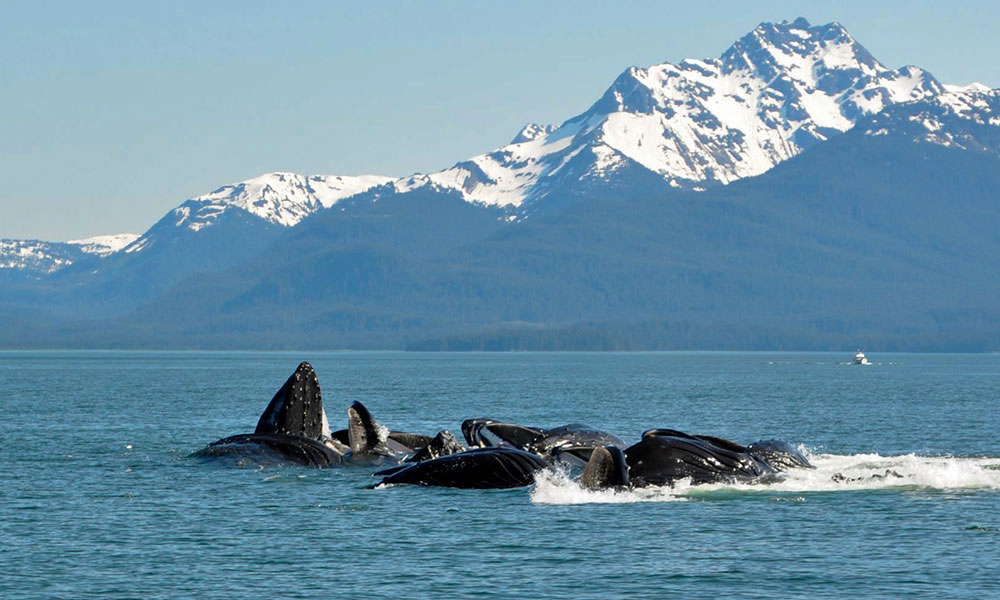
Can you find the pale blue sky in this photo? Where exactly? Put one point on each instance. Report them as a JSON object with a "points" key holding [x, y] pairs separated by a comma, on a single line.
{"points": [[111, 113]]}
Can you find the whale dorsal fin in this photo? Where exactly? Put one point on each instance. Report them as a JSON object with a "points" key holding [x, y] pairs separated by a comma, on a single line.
{"points": [[297, 408]]}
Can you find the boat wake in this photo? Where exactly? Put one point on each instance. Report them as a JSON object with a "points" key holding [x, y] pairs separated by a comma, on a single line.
{"points": [[832, 473]]}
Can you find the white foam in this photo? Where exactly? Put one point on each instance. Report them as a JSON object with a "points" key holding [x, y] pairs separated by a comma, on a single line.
{"points": [[853, 472], [382, 432], [554, 486]]}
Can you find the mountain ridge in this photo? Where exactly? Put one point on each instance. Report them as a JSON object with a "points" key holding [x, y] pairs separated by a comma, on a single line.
{"points": [[700, 122], [795, 258], [734, 202]]}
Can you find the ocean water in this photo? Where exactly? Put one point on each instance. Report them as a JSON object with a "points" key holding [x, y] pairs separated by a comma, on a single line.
{"points": [[99, 498]]}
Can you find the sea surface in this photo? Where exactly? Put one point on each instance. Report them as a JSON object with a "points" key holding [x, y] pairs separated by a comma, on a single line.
{"points": [[99, 497]]}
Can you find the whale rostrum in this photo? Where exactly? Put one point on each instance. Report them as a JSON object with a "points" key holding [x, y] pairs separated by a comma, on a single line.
{"points": [[297, 407]]}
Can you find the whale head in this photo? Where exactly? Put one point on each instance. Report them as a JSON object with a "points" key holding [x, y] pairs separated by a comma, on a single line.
{"points": [[297, 407]]}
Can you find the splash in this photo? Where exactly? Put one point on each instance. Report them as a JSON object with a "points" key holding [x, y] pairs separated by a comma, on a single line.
{"points": [[873, 471], [832, 473], [554, 486], [382, 432]]}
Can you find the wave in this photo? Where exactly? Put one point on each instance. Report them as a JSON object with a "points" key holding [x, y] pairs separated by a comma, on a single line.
{"points": [[833, 473]]}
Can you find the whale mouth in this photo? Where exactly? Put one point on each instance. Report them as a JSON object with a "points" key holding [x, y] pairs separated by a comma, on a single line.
{"points": [[470, 431], [491, 439], [478, 439], [479, 433], [573, 455]]}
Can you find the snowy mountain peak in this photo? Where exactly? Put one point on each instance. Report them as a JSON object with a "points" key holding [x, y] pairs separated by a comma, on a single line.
{"points": [[772, 47], [975, 86], [281, 198], [532, 131], [104, 245], [36, 257], [776, 91]]}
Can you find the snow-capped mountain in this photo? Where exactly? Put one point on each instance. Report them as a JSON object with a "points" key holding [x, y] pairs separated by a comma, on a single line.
{"points": [[104, 245], [532, 131], [898, 210], [36, 256], [975, 86], [282, 198], [41, 258], [777, 91], [967, 119], [279, 198]]}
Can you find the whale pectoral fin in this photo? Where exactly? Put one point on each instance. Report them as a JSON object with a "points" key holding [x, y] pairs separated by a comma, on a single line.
{"points": [[296, 408], [605, 469], [362, 433]]}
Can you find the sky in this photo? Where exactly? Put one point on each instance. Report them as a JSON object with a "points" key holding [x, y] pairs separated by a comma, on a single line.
{"points": [[112, 113]]}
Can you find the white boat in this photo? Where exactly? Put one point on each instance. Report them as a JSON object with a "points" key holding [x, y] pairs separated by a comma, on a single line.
{"points": [[861, 359]]}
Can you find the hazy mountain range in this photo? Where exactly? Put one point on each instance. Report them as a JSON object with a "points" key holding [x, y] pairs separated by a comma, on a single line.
{"points": [[792, 193]]}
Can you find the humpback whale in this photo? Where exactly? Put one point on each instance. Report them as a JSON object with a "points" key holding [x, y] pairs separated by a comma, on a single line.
{"points": [[478, 468], [664, 456], [397, 444], [502, 455], [294, 429], [370, 443], [780, 455], [571, 443]]}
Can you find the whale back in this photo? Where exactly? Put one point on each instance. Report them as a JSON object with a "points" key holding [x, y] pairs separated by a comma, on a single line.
{"points": [[297, 408]]}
